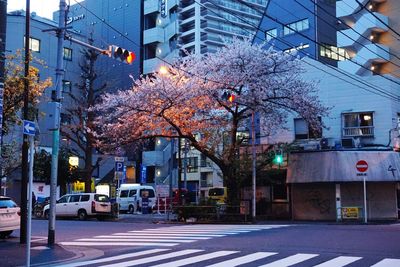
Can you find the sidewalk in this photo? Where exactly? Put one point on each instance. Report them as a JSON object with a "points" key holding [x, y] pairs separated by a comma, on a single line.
{"points": [[14, 254]]}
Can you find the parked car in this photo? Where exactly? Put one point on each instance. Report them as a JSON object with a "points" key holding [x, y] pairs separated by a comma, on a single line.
{"points": [[82, 205], [9, 216], [129, 197]]}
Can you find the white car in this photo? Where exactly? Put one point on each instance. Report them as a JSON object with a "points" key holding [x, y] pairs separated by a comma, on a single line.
{"points": [[130, 197], [82, 205], [9, 216]]}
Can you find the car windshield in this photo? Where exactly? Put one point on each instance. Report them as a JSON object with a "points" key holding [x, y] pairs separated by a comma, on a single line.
{"points": [[101, 198], [7, 203]]}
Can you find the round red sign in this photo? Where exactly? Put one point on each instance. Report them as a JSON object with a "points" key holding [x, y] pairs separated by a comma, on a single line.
{"points": [[362, 166]]}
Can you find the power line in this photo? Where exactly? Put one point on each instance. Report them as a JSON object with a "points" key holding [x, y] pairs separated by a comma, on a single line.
{"points": [[382, 92]]}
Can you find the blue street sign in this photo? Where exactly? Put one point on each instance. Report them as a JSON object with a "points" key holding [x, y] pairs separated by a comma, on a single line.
{"points": [[29, 127], [119, 166], [143, 174]]}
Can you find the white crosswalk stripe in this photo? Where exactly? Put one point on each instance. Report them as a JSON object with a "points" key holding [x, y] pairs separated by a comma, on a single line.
{"points": [[188, 257], [291, 260], [168, 236]]}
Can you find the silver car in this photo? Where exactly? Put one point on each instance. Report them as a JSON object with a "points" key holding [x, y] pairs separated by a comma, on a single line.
{"points": [[9, 216]]}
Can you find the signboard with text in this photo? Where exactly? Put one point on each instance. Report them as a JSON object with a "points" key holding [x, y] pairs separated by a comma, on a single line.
{"points": [[350, 213]]}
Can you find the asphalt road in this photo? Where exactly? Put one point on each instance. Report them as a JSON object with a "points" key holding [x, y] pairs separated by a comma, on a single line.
{"points": [[308, 244]]}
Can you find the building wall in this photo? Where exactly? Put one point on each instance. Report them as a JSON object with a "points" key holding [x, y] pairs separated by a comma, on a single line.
{"points": [[314, 201], [381, 199]]}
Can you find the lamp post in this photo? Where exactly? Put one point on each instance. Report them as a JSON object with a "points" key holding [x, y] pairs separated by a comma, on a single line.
{"points": [[253, 158]]}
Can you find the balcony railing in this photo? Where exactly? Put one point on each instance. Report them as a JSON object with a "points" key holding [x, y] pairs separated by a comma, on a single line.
{"points": [[358, 131]]}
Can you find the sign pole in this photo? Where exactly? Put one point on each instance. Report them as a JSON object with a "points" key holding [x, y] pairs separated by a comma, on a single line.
{"points": [[365, 200], [29, 226]]}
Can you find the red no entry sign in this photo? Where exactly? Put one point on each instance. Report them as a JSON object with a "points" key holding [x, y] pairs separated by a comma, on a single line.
{"points": [[362, 166]]}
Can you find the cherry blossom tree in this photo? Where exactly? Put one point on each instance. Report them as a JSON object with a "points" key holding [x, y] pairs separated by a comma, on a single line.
{"points": [[189, 101]]}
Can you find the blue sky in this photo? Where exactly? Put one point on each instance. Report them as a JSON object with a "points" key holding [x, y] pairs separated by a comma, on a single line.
{"points": [[43, 8]]}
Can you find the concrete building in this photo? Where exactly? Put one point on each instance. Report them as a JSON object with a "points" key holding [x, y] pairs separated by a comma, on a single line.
{"points": [[172, 28], [369, 33], [306, 26]]}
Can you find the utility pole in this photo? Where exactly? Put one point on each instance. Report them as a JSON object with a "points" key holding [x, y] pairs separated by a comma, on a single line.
{"points": [[56, 131], [253, 150], [25, 145], [3, 30]]}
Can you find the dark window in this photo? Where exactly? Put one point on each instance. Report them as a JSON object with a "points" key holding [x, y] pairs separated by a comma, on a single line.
{"points": [[132, 193], [85, 198], [279, 192], [64, 199], [147, 193], [303, 131], [66, 86], [67, 53], [124, 193], [74, 198], [101, 198], [192, 164]]}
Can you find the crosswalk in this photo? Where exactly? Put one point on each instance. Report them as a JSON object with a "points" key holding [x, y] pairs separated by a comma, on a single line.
{"points": [[166, 257], [167, 236]]}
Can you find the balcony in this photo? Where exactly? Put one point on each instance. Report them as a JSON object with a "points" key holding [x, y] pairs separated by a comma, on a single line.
{"points": [[346, 8], [358, 131], [154, 35], [151, 6]]}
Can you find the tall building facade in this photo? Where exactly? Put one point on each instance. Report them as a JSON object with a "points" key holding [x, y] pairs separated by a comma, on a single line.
{"points": [[308, 27], [173, 28], [370, 35]]}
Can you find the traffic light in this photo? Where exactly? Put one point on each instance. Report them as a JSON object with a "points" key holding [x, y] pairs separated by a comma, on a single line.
{"points": [[122, 54], [278, 159], [228, 96]]}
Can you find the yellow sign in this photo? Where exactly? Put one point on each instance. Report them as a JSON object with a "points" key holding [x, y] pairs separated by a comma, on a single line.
{"points": [[350, 213]]}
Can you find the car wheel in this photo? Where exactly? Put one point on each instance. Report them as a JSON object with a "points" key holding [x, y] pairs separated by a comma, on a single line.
{"points": [[82, 215], [5, 234], [131, 209], [46, 214]]}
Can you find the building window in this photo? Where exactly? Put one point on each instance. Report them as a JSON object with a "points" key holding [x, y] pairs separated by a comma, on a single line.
{"points": [[67, 53], [303, 131], [34, 44], [279, 192], [271, 34], [297, 48], [333, 52], [358, 124], [66, 86], [297, 26], [192, 164]]}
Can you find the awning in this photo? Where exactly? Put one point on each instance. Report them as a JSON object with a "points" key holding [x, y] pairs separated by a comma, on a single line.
{"points": [[343, 166]]}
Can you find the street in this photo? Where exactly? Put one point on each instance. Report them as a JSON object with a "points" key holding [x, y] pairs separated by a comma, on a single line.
{"points": [[137, 242]]}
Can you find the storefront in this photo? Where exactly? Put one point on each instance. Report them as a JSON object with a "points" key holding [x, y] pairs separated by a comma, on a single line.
{"points": [[329, 185]]}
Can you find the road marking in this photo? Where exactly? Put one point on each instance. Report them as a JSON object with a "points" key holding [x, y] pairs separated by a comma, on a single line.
{"points": [[338, 262], [115, 258], [73, 243], [243, 260], [388, 263], [188, 232], [289, 261], [154, 258], [196, 259], [133, 239], [122, 235], [167, 234]]}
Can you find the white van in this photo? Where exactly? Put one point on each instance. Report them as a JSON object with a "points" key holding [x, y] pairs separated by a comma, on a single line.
{"points": [[129, 197]]}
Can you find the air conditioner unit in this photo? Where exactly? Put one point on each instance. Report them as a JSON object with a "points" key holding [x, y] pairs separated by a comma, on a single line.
{"points": [[327, 143], [348, 142]]}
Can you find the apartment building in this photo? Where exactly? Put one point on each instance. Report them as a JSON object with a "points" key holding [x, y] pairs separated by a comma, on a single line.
{"points": [[369, 32]]}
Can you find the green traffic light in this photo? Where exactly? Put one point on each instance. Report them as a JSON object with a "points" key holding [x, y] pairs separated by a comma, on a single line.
{"points": [[278, 159]]}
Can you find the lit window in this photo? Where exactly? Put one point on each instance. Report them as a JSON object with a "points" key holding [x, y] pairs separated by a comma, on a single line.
{"points": [[358, 124], [300, 47], [67, 53], [34, 44], [333, 52]]}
